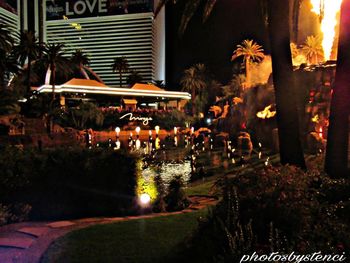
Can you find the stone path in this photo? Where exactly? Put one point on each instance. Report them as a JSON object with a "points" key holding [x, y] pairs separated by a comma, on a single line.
{"points": [[26, 242]]}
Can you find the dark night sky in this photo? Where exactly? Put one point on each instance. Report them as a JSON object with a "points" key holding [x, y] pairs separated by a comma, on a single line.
{"points": [[212, 43]]}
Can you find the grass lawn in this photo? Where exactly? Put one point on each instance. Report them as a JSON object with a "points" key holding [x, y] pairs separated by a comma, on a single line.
{"points": [[142, 240]]}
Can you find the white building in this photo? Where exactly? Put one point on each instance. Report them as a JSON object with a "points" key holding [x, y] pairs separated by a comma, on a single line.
{"points": [[105, 30], [9, 15]]}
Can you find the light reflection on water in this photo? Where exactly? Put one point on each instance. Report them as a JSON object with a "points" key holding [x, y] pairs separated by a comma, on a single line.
{"points": [[169, 170]]}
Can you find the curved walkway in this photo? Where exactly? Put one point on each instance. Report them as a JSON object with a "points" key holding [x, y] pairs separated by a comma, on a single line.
{"points": [[27, 242]]}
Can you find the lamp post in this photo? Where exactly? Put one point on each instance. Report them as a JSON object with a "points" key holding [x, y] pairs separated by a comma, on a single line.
{"points": [[137, 142], [175, 136], [157, 143], [117, 143], [150, 141]]}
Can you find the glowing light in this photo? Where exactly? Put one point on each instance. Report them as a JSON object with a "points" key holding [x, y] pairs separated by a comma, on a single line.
{"points": [[175, 130], [138, 129], [192, 130], [157, 129], [327, 10], [145, 199], [320, 132], [266, 113], [315, 119], [150, 133], [117, 130]]}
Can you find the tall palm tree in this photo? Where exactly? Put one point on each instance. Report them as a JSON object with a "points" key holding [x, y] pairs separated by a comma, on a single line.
{"points": [[53, 59], [251, 52], [190, 9], [134, 77], [313, 49], [80, 59], [120, 65], [277, 12], [291, 151], [338, 132], [193, 81], [28, 50]]}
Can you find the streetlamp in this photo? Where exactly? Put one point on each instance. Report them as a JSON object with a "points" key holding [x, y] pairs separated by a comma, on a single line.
{"points": [[138, 142], [117, 143], [157, 144], [175, 136]]}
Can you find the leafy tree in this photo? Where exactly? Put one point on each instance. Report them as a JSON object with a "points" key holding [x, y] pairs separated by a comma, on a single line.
{"points": [[8, 102], [251, 52], [79, 59], [134, 77], [120, 65], [28, 50], [53, 59], [313, 50], [338, 132], [194, 82]]}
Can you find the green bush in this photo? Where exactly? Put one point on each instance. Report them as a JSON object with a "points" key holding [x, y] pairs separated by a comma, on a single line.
{"points": [[274, 209], [68, 183], [176, 198]]}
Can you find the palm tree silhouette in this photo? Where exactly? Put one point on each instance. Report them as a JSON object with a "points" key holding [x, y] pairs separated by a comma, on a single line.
{"points": [[250, 51], [6, 40], [194, 81], [28, 50], [80, 59], [7, 61], [53, 59], [120, 65], [313, 50]]}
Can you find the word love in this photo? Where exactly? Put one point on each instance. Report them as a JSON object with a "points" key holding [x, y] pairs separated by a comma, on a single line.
{"points": [[80, 7], [145, 120]]}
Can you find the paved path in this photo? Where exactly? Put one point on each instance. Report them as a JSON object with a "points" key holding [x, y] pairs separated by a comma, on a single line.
{"points": [[27, 242]]}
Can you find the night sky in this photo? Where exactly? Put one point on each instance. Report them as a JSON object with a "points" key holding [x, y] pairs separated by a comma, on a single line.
{"points": [[212, 43]]}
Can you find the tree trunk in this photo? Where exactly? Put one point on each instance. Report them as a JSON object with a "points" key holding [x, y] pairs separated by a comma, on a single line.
{"points": [[53, 79], [247, 73], [193, 98], [336, 163], [29, 68], [120, 78], [291, 151]]}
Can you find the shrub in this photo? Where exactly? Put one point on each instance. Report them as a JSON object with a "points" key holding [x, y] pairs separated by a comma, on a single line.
{"points": [[176, 198], [275, 209], [66, 183]]}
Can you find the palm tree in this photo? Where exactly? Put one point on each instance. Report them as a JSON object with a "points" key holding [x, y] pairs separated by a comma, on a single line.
{"points": [[190, 9], [291, 151], [7, 62], [251, 52], [120, 65], [194, 81], [79, 59], [313, 50], [336, 163], [134, 77], [53, 59], [28, 49], [287, 120]]}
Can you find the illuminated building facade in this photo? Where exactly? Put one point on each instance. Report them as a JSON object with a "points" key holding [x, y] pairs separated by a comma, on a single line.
{"points": [[9, 15], [105, 30]]}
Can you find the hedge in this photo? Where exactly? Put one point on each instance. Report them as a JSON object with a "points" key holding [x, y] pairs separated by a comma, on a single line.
{"points": [[68, 183]]}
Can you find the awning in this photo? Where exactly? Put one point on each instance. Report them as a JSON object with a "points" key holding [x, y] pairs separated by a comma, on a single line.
{"points": [[85, 86], [129, 102]]}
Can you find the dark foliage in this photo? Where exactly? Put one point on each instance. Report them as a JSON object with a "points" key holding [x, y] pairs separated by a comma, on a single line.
{"points": [[68, 183]]}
